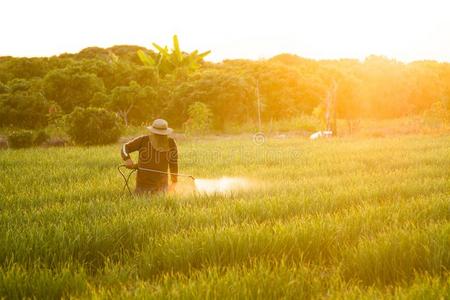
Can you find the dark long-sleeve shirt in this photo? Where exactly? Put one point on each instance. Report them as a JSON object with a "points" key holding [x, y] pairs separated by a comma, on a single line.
{"points": [[150, 158]]}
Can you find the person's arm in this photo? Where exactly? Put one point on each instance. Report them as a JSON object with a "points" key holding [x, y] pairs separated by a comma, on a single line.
{"points": [[173, 160], [128, 148]]}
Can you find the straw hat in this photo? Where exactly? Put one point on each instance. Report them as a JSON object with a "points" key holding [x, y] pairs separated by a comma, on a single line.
{"points": [[160, 127]]}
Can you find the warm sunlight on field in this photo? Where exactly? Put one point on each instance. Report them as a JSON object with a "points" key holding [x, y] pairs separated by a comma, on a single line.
{"points": [[347, 218]]}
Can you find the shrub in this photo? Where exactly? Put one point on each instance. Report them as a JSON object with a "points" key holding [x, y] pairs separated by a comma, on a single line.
{"points": [[20, 139], [93, 126], [200, 119], [40, 137], [24, 110]]}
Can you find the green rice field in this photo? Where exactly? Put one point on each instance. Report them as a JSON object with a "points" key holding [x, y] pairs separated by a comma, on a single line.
{"points": [[344, 218]]}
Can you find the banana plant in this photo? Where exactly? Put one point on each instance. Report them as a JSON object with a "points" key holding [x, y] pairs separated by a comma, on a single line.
{"points": [[169, 60]]}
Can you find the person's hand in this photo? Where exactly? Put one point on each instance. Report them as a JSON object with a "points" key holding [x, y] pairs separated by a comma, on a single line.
{"points": [[172, 187], [129, 164]]}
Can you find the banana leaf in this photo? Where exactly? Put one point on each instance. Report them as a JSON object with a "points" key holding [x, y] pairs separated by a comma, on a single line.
{"points": [[163, 51], [176, 49], [146, 59]]}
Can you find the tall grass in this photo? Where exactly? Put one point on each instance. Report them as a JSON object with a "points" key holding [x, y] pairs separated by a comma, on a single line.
{"points": [[341, 218]]}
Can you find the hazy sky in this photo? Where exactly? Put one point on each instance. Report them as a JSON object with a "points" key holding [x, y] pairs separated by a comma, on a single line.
{"points": [[406, 30]]}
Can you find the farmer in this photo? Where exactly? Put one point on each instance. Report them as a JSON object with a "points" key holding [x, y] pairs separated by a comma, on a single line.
{"points": [[157, 151]]}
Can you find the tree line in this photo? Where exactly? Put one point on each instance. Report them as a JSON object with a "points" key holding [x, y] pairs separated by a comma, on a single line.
{"points": [[140, 84]]}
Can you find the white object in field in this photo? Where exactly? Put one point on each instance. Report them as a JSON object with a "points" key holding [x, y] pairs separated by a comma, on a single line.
{"points": [[321, 134]]}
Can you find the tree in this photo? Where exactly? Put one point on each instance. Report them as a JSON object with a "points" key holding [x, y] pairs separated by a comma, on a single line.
{"points": [[25, 68], [23, 105], [284, 91], [71, 87], [200, 119], [341, 98], [229, 96], [93, 53], [93, 126], [24, 85], [425, 85], [349, 104], [385, 91], [25, 110], [133, 102], [124, 99], [118, 72], [100, 99]]}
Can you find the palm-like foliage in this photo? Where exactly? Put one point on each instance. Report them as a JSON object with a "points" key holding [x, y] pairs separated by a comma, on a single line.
{"points": [[169, 60]]}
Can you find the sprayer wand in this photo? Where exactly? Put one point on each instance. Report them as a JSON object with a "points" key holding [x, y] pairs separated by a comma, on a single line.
{"points": [[135, 168]]}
